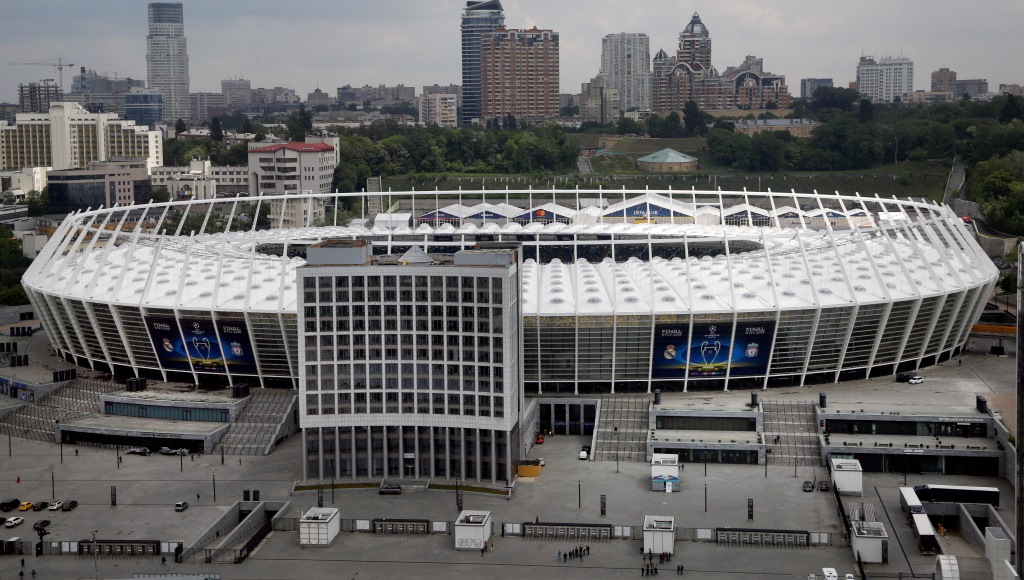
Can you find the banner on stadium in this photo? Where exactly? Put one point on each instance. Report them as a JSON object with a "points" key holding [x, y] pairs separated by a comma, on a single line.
{"points": [[197, 342], [711, 350]]}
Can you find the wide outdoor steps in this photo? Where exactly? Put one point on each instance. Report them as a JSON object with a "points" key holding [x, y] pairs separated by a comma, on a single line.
{"points": [[254, 429], [793, 423], [79, 398], [630, 414]]}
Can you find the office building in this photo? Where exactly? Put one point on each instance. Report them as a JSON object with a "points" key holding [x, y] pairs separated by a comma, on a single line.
{"points": [[144, 106], [808, 86], [101, 184], [36, 97], [205, 106], [201, 180], [410, 363], [436, 89], [378, 95], [293, 168], [945, 81], [438, 109], [318, 98], [678, 291], [478, 19], [69, 137], [167, 58], [886, 80], [237, 93], [519, 75], [100, 93], [626, 67], [690, 76]]}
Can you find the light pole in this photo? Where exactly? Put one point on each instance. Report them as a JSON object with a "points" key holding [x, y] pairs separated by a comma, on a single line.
{"points": [[95, 562], [214, 487], [579, 488], [56, 423], [617, 449]]}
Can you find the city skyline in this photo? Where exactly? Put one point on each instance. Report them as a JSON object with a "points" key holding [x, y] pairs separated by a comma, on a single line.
{"points": [[418, 44]]}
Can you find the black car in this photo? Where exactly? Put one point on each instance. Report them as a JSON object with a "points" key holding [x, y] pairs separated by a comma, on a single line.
{"points": [[69, 505], [9, 504], [808, 486], [390, 489], [40, 506], [823, 485], [41, 525]]}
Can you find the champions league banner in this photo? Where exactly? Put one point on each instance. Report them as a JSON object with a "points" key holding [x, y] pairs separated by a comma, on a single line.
{"points": [[201, 346], [711, 350]]}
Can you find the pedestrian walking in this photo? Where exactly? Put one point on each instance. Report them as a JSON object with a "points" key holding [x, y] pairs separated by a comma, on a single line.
{"points": [[23, 562], [163, 560], [197, 497], [33, 572], [492, 545], [588, 549], [482, 550], [559, 556], [76, 453], [565, 557], [192, 457]]}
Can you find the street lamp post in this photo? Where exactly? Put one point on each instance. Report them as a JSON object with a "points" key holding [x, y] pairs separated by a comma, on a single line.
{"points": [[95, 562], [579, 496], [56, 423], [215, 487], [617, 450]]}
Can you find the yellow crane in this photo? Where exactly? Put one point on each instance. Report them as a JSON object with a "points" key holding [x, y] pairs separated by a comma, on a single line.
{"points": [[60, 64]]}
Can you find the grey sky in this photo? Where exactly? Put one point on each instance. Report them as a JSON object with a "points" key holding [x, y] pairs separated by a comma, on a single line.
{"points": [[301, 44]]}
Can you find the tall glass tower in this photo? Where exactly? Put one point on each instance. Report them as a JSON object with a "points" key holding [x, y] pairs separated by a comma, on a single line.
{"points": [[478, 18], [167, 58]]}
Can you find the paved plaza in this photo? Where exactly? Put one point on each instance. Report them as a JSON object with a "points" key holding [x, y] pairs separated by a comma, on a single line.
{"points": [[568, 491]]}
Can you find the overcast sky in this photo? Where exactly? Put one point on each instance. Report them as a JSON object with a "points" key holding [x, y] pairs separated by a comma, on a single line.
{"points": [[302, 44]]}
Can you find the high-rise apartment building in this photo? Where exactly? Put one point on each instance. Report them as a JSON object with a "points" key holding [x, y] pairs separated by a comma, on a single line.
{"points": [[690, 76], [36, 97], [410, 365], [452, 89], [886, 79], [69, 137], [167, 58], [478, 18], [519, 75], [438, 109], [808, 86], [599, 102], [626, 67]]}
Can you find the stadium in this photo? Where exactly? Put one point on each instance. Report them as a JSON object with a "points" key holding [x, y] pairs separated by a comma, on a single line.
{"points": [[622, 290]]}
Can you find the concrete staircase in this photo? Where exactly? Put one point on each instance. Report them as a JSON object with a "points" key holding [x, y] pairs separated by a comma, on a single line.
{"points": [[793, 423], [256, 427], [373, 208], [80, 398], [583, 163], [623, 427]]}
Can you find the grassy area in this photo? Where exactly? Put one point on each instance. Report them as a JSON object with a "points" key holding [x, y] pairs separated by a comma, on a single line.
{"points": [[911, 179], [645, 146]]}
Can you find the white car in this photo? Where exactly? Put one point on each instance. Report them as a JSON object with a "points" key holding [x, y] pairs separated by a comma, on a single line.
{"points": [[16, 521], [917, 380], [56, 506]]}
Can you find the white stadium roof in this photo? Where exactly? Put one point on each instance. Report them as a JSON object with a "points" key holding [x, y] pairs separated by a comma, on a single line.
{"points": [[790, 264]]}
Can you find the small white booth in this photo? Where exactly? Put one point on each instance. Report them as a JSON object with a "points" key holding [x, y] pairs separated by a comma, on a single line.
{"points": [[319, 526], [472, 530], [659, 534], [847, 476], [392, 221], [664, 472], [867, 541]]}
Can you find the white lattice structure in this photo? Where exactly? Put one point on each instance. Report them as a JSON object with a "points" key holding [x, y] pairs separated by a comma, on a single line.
{"points": [[637, 290]]}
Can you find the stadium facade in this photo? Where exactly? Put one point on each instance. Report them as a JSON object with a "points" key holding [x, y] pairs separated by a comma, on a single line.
{"points": [[622, 291]]}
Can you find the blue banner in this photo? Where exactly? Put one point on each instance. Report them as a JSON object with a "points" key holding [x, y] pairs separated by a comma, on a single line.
{"points": [[712, 351]]}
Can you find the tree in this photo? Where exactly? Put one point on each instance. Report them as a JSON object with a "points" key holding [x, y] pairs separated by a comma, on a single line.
{"points": [[160, 194], [833, 98], [179, 127], [627, 126], [247, 126], [694, 119], [38, 202], [1012, 109], [866, 111], [216, 132]]}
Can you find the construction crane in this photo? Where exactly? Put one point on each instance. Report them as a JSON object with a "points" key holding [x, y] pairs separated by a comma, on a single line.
{"points": [[60, 64]]}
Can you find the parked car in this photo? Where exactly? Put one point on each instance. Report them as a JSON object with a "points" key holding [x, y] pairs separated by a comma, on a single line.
{"points": [[541, 460], [808, 486], [539, 440], [41, 525], [917, 380], [390, 489], [25, 506], [56, 506], [169, 451], [181, 506], [585, 452], [138, 451], [68, 506], [9, 504], [823, 485], [912, 378], [15, 521], [40, 506]]}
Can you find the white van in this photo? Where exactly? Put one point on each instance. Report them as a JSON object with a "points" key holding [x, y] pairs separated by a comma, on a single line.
{"points": [[830, 573]]}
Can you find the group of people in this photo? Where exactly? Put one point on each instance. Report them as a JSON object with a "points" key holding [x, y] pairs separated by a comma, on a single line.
{"points": [[649, 568], [577, 552]]}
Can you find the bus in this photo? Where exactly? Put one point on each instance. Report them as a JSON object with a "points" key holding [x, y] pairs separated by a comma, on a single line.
{"points": [[910, 503], [958, 494], [925, 535]]}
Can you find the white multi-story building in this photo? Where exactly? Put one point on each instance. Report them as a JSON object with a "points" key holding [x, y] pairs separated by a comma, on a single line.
{"points": [[410, 364], [167, 58], [200, 180], [292, 168], [886, 79], [626, 67], [69, 137], [439, 109]]}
